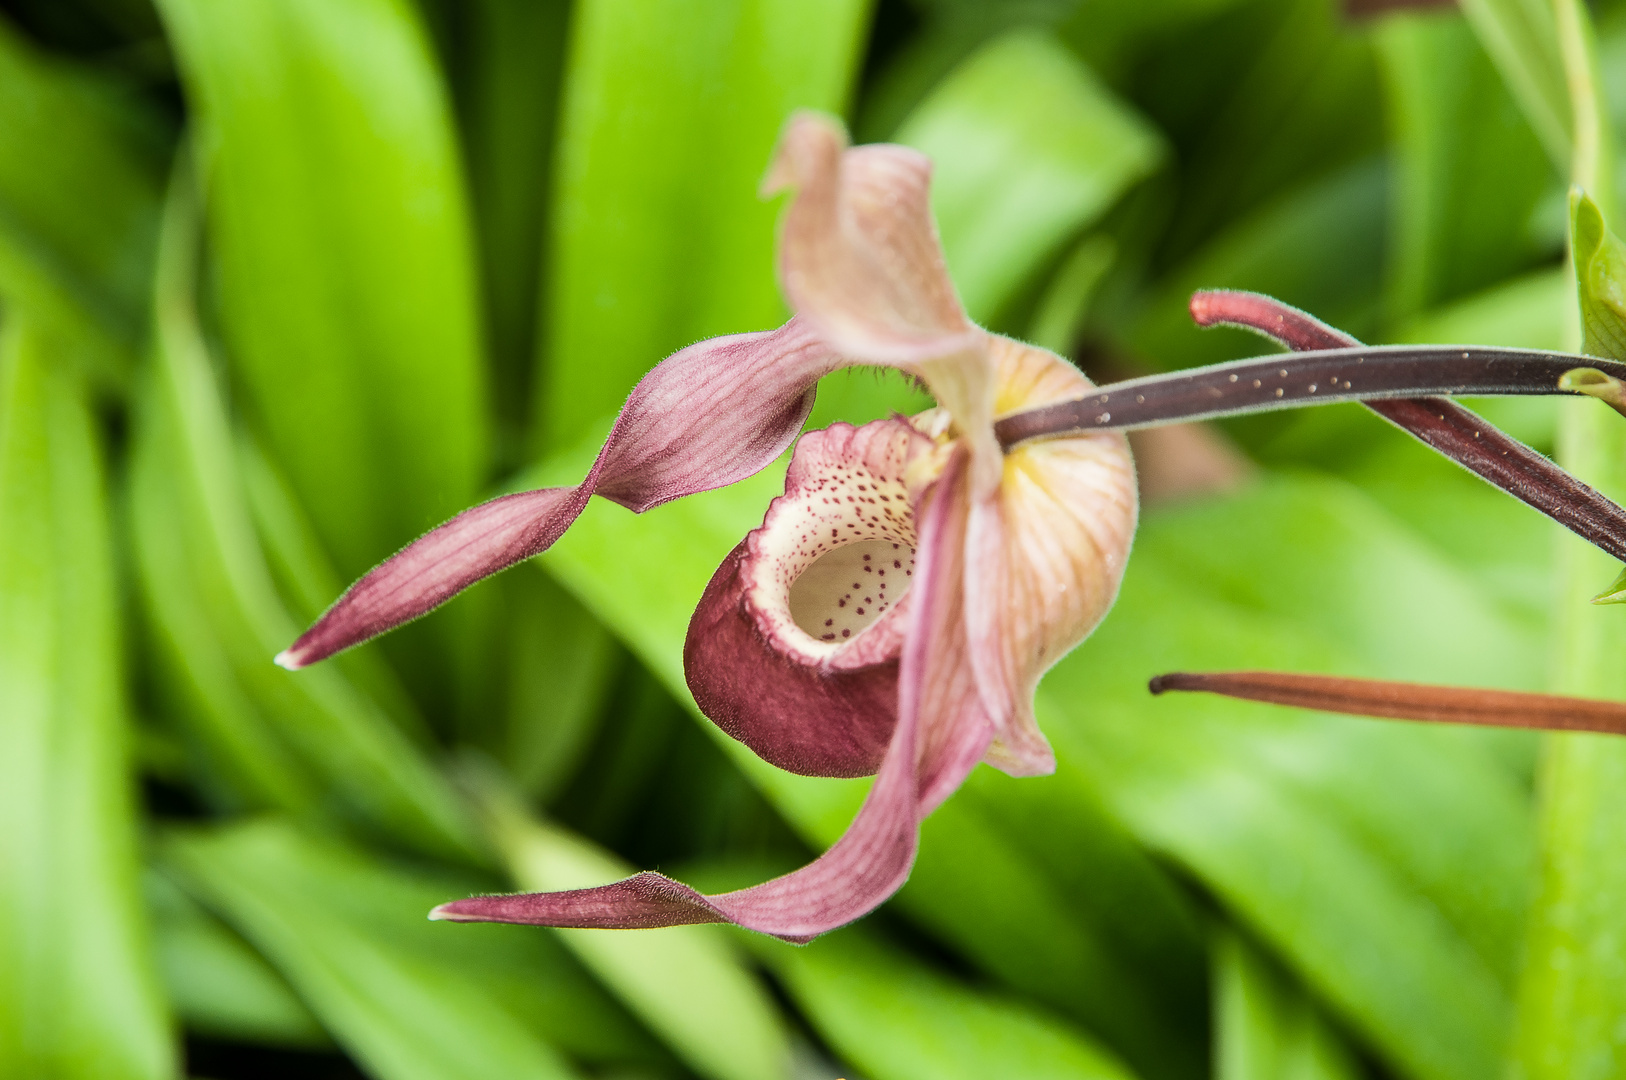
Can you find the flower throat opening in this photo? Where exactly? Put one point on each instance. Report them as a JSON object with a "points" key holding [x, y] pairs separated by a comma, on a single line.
{"points": [[847, 588]]}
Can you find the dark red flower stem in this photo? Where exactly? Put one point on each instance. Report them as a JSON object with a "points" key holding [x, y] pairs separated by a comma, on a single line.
{"points": [[1405, 701], [1399, 383]]}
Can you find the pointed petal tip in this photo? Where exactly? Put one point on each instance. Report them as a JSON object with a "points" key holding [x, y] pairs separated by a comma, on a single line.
{"points": [[805, 136], [448, 912], [288, 661]]}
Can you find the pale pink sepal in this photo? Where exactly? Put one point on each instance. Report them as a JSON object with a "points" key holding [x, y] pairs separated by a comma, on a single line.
{"points": [[858, 251], [872, 859], [1046, 552], [705, 417]]}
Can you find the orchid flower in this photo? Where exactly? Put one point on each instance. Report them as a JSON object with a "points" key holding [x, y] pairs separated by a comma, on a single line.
{"points": [[895, 609]]}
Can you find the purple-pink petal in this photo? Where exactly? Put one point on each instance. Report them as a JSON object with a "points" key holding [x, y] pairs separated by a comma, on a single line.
{"points": [[705, 417], [872, 859], [439, 565]]}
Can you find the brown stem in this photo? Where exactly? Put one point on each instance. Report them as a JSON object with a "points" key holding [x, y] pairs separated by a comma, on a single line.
{"points": [[1406, 701], [1295, 380], [1398, 383]]}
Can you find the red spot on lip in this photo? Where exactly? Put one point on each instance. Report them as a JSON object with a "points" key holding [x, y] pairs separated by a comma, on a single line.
{"points": [[846, 633]]}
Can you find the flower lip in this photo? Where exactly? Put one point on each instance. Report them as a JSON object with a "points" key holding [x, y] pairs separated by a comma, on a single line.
{"points": [[827, 573]]}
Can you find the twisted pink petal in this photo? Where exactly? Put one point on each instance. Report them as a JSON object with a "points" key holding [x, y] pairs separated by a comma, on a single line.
{"points": [[872, 859], [705, 417]]}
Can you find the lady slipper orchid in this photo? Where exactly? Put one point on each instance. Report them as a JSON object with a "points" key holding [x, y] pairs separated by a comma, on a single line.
{"points": [[896, 607]]}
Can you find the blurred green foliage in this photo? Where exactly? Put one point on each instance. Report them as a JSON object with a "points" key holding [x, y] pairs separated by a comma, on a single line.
{"points": [[285, 282]]}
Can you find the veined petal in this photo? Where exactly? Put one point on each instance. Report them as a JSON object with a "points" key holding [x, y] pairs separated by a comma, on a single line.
{"points": [[859, 258], [858, 252], [793, 649], [703, 418], [439, 565], [872, 859], [1045, 556], [956, 728]]}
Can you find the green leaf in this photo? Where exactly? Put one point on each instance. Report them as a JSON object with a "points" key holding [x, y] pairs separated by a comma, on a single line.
{"points": [[562, 665], [344, 259], [1110, 944], [1308, 828], [1110, 35], [79, 996], [1320, 248], [1523, 313], [507, 83], [219, 986], [1574, 988], [670, 116], [1469, 172], [410, 999], [311, 743], [1264, 102], [1265, 1027], [1599, 258], [1027, 147], [80, 178], [1507, 545], [684, 981], [1065, 303], [895, 1018], [1520, 37]]}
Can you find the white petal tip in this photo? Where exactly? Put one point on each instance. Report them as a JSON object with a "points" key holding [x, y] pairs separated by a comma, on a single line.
{"points": [[287, 661], [439, 914]]}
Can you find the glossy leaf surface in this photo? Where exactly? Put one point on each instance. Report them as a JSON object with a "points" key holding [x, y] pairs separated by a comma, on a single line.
{"points": [[79, 996], [348, 933], [80, 179], [684, 981], [345, 259], [1027, 147], [1265, 1026], [897, 1019], [659, 237], [314, 746]]}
